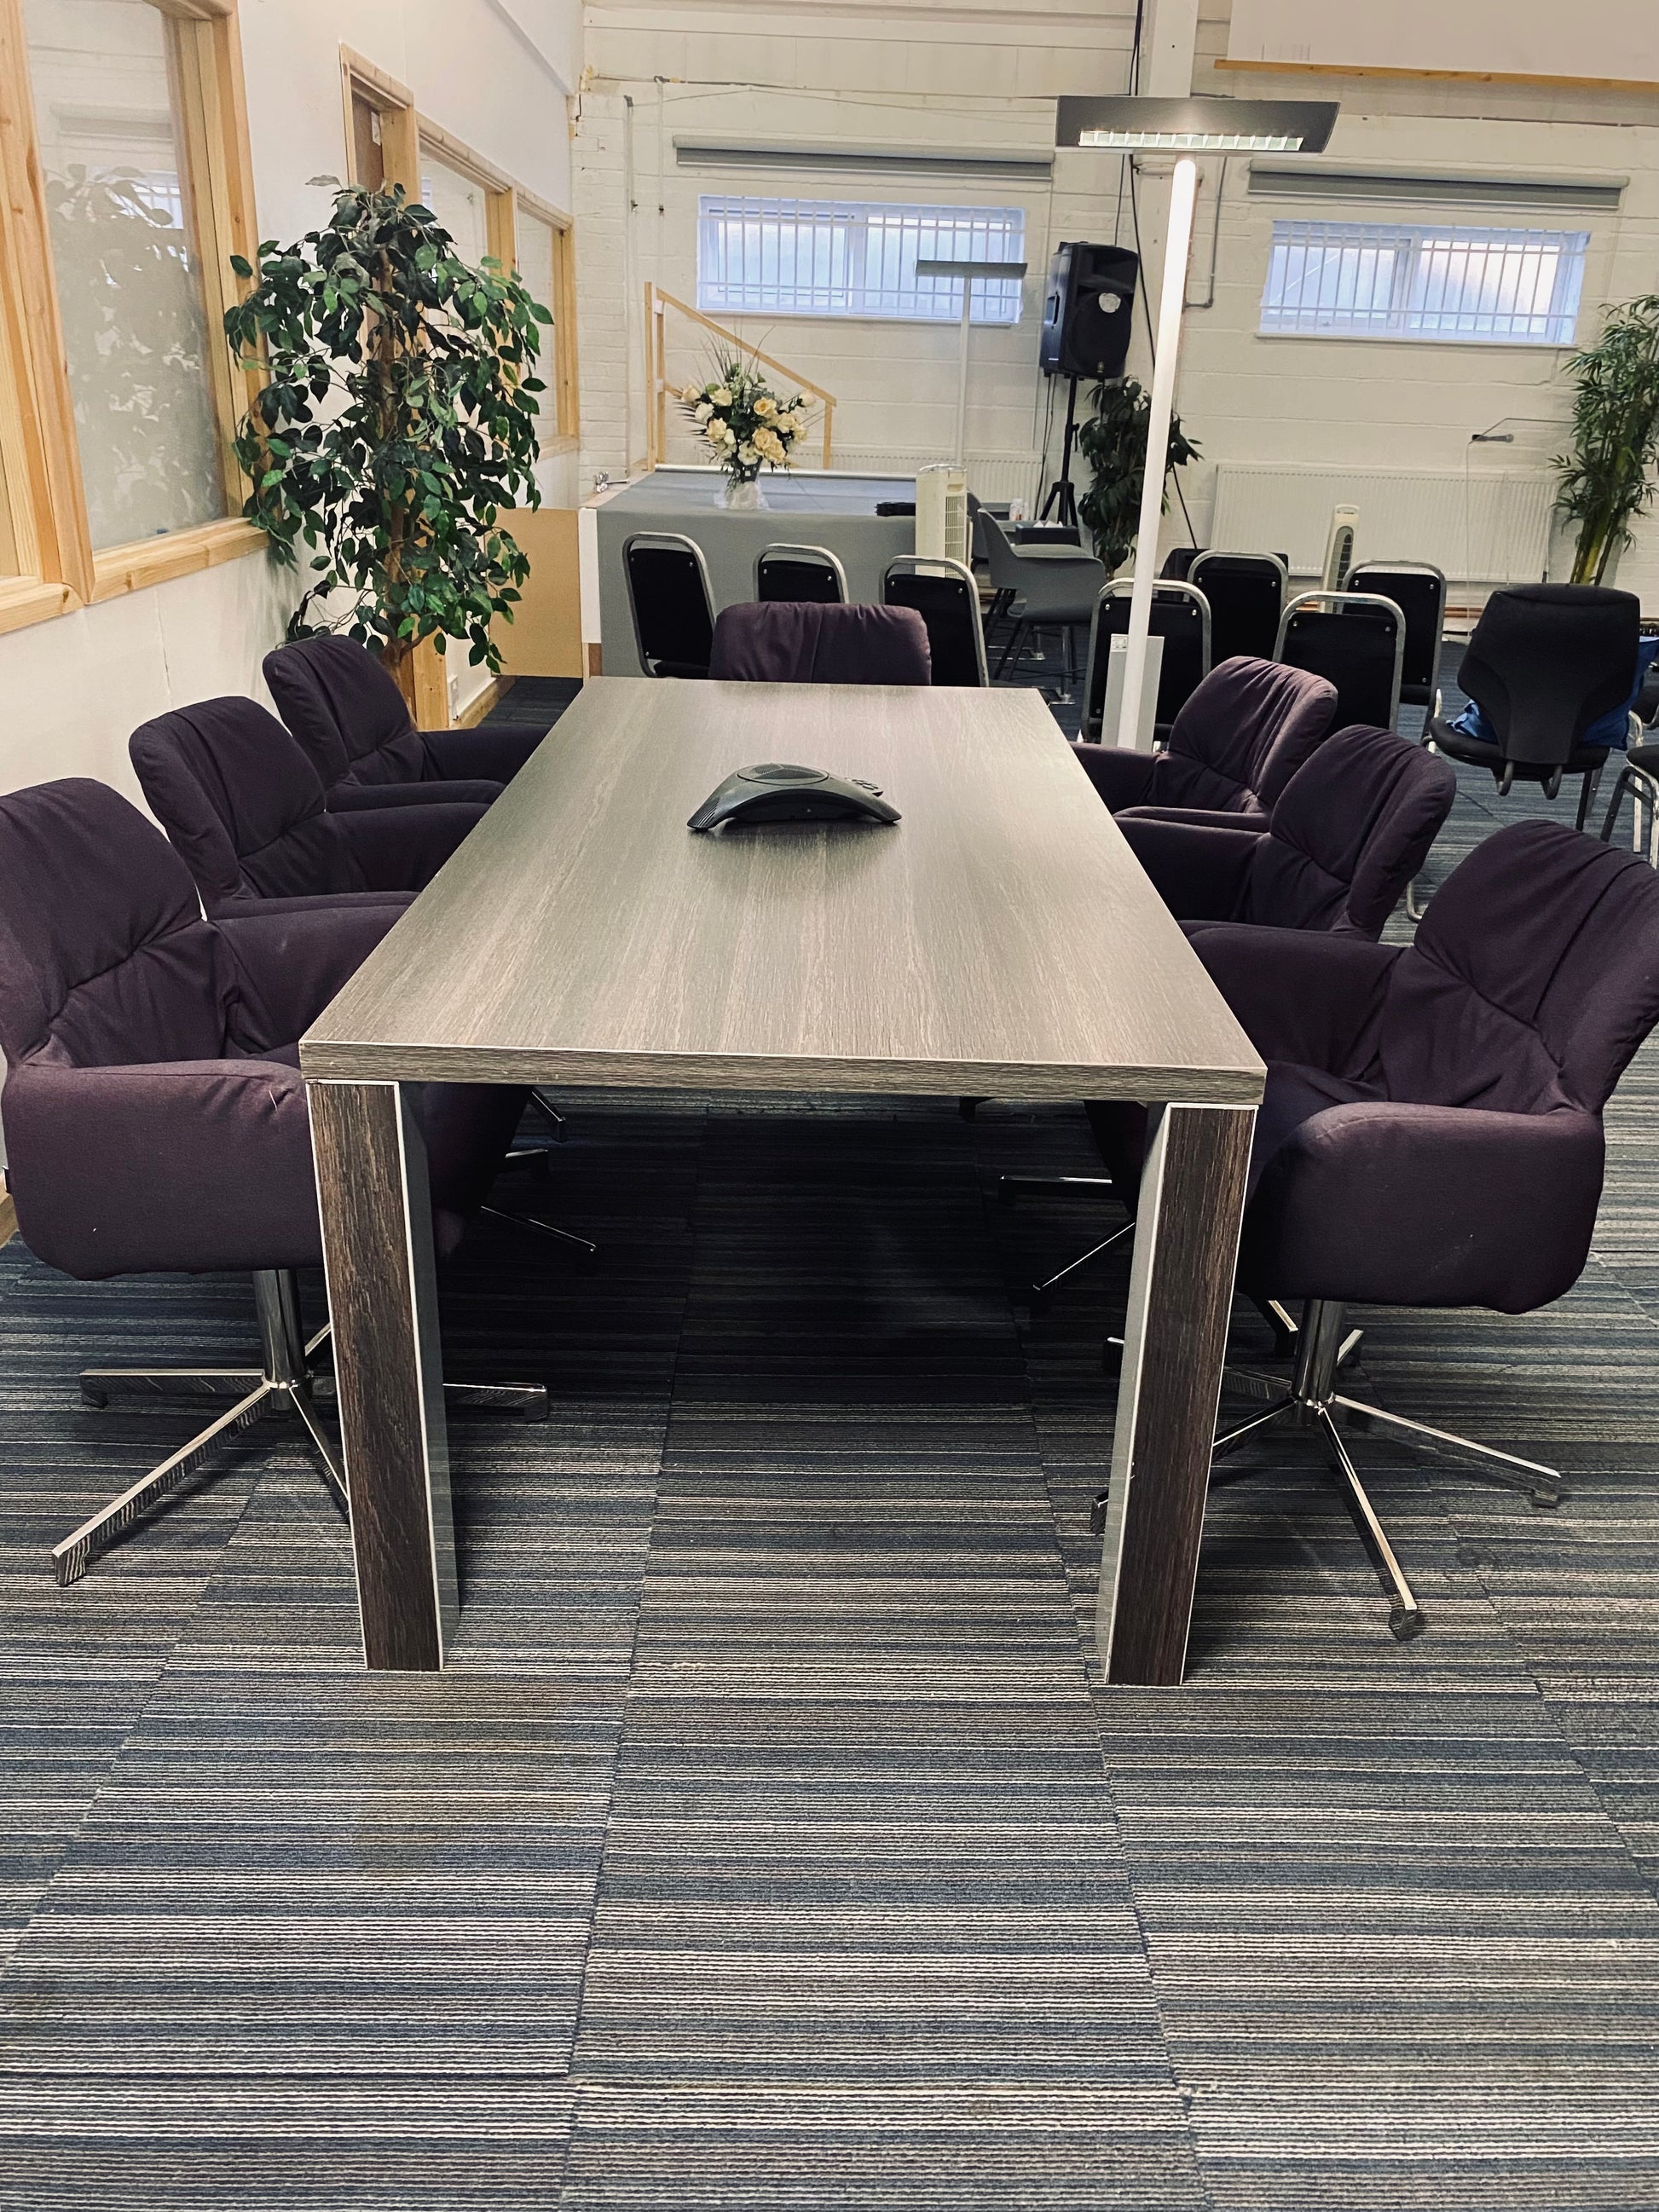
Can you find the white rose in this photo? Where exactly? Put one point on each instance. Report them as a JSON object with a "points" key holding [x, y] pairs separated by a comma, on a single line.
{"points": [[728, 435], [746, 454], [721, 396], [716, 434], [704, 411]]}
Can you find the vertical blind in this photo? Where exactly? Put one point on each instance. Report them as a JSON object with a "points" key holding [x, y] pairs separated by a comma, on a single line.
{"points": [[1427, 281], [793, 257]]}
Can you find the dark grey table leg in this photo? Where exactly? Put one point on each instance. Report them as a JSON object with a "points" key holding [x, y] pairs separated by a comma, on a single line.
{"points": [[377, 1247], [1192, 1196]]}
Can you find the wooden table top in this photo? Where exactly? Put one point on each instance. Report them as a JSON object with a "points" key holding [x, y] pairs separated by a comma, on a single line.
{"points": [[1001, 940]]}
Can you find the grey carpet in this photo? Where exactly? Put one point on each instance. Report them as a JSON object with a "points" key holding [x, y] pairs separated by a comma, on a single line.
{"points": [[770, 1842]]}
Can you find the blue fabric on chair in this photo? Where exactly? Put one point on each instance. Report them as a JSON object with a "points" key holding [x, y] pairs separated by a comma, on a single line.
{"points": [[1612, 730]]}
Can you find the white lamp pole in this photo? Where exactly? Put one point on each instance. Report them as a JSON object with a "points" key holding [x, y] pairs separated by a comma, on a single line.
{"points": [[969, 272], [1161, 408]]}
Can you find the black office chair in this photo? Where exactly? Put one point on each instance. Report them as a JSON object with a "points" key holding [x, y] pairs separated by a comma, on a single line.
{"points": [[1419, 590], [1246, 592], [811, 574], [1181, 618], [944, 593], [1355, 640], [1546, 662], [671, 602]]}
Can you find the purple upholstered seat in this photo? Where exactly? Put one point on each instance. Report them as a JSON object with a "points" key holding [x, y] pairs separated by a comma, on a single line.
{"points": [[352, 723], [790, 642], [1348, 832], [1233, 747], [243, 805], [156, 1118], [1431, 1134]]}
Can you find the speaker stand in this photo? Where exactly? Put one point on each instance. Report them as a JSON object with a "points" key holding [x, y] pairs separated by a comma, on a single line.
{"points": [[1060, 501]]}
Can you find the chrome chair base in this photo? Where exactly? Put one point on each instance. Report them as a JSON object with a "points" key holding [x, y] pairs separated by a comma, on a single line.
{"points": [[291, 1369], [1312, 1400]]}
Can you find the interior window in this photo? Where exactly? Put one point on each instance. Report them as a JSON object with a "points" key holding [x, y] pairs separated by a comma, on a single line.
{"points": [[123, 243]]}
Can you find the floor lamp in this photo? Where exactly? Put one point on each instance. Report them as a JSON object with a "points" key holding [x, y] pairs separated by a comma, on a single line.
{"points": [[1185, 128], [968, 271]]}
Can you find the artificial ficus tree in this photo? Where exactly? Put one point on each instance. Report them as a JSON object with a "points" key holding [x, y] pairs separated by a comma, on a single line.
{"points": [[1113, 442], [397, 419]]}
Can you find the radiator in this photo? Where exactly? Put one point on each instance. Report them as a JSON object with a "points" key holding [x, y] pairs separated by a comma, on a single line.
{"points": [[993, 477], [1491, 526]]}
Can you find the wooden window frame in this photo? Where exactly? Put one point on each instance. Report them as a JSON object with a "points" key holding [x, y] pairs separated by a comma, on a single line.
{"points": [[38, 440], [399, 151]]}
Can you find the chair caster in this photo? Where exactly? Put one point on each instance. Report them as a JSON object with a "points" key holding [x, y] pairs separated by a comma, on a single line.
{"points": [[1543, 1501], [1403, 1625]]}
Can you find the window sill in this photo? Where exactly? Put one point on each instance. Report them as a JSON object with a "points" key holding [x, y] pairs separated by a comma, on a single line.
{"points": [[25, 600], [180, 553], [551, 448]]}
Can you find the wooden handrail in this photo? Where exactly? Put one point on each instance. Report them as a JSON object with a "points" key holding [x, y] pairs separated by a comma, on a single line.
{"points": [[657, 302]]}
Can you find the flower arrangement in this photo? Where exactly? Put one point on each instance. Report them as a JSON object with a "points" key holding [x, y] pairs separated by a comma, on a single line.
{"points": [[747, 426]]}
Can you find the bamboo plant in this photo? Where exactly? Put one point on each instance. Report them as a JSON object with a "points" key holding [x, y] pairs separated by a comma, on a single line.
{"points": [[1607, 480], [398, 419]]}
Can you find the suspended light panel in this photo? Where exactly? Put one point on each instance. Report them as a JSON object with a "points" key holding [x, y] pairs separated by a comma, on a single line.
{"points": [[1210, 124]]}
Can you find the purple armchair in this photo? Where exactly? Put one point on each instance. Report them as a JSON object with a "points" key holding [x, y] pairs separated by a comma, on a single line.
{"points": [[239, 801], [1233, 747], [156, 1118], [1347, 834], [353, 726], [794, 642], [1431, 1130]]}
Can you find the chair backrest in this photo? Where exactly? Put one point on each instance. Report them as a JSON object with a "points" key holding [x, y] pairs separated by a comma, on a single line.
{"points": [[1241, 737], [241, 803], [1533, 979], [808, 573], [344, 706], [671, 601], [104, 959], [1545, 660], [944, 593], [1419, 590], [1178, 563], [789, 643], [1246, 592], [1007, 573], [1354, 639], [1181, 617], [1349, 830]]}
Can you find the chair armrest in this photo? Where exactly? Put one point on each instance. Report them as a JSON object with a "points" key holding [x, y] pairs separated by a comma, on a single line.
{"points": [[495, 751], [1300, 994], [201, 1166], [364, 798], [1427, 1206], [1121, 776], [1200, 874], [288, 966], [401, 849]]}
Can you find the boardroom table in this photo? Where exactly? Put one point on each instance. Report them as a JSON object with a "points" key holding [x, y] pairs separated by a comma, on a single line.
{"points": [[1000, 941]]}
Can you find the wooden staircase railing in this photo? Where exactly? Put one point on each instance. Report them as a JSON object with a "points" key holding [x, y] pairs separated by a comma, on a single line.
{"points": [[657, 387]]}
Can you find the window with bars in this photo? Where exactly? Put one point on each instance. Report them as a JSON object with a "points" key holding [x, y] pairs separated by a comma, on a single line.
{"points": [[788, 257], [1427, 281]]}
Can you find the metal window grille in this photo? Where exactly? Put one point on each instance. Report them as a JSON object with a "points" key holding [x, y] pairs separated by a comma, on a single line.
{"points": [[1427, 281], [788, 257]]}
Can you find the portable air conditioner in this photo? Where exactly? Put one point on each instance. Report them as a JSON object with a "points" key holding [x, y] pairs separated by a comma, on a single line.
{"points": [[942, 513], [1338, 549]]}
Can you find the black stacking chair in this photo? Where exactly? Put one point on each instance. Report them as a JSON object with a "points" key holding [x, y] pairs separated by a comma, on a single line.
{"points": [[944, 593], [671, 601], [1181, 617], [1246, 592], [1419, 590], [803, 572], [1355, 640], [1178, 563], [1546, 662]]}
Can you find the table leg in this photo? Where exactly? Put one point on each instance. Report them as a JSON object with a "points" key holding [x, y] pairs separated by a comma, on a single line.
{"points": [[377, 1248], [1192, 1198]]}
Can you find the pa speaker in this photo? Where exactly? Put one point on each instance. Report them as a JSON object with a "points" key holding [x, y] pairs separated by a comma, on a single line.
{"points": [[1088, 311]]}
